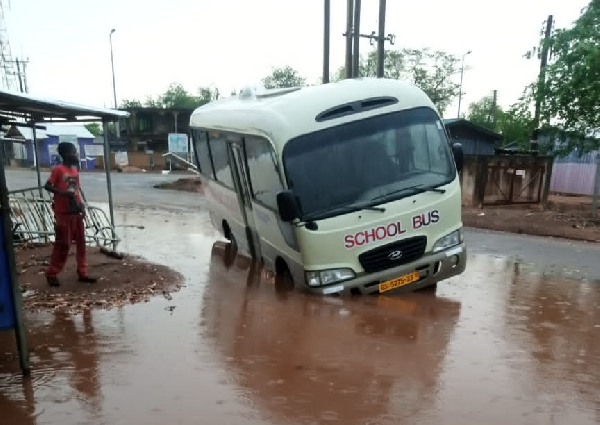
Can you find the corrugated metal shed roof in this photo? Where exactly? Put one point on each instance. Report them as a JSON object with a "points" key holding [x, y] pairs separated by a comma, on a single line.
{"points": [[44, 108], [449, 122], [27, 133], [57, 129]]}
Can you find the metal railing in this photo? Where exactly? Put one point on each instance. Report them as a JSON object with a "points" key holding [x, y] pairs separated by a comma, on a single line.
{"points": [[33, 221]]}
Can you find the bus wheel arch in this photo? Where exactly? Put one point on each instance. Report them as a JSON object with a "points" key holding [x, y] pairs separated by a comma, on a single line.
{"points": [[283, 276], [228, 233]]}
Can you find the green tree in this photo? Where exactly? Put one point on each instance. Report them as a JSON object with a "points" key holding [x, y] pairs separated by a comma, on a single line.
{"points": [[282, 77], [432, 71], [94, 128], [516, 124], [485, 113], [571, 95], [176, 96], [127, 104], [150, 102]]}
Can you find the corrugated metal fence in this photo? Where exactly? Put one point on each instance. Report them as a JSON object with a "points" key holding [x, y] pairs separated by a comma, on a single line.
{"points": [[574, 173]]}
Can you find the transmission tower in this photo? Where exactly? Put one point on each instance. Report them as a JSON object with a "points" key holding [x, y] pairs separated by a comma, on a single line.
{"points": [[8, 66]]}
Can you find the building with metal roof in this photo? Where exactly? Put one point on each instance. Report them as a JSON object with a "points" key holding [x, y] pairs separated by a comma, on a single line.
{"points": [[475, 139]]}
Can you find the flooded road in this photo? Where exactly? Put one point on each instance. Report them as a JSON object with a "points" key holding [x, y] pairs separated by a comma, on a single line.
{"points": [[510, 341]]}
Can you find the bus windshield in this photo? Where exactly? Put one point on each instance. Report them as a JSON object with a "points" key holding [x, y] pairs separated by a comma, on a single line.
{"points": [[368, 162]]}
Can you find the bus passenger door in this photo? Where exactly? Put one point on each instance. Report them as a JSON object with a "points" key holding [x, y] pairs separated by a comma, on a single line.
{"points": [[241, 179]]}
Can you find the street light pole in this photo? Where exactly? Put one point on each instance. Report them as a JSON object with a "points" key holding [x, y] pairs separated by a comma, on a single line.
{"points": [[112, 64], [462, 72]]}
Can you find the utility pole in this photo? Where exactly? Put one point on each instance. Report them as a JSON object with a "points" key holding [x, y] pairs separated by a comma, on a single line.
{"points": [[356, 34], [462, 73], [596, 186], [534, 145], [349, 24], [493, 111], [112, 65], [381, 39], [326, 36], [24, 63], [353, 37], [19, 75]]}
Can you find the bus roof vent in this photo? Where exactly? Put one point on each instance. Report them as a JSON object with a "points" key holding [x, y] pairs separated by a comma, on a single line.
{"points": [[377, 102], [355, 107], [336, 112]]}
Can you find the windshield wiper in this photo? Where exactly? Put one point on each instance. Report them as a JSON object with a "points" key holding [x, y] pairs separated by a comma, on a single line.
{"points": [[418, 188], [353, 206]]}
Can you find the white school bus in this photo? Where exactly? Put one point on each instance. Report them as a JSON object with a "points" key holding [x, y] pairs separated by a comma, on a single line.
{"points": [[348, 187]]}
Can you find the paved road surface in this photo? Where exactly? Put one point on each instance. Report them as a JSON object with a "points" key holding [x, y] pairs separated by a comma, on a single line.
{"points": [[129, 189]]}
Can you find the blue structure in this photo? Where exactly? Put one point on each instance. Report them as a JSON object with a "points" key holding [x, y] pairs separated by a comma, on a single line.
{"points": [[475, 139], [47, 140], [54, 133]]}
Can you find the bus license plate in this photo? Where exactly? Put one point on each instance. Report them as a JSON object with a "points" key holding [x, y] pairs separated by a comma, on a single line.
{"points": [[398, 282]]}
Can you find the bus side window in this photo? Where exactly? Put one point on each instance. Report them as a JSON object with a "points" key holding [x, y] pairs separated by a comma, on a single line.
{"points": [[262, 166], [220, 159], [202, 153]]}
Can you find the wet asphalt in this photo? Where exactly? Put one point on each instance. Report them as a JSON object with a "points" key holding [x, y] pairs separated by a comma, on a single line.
{"points": [[512, 340]]}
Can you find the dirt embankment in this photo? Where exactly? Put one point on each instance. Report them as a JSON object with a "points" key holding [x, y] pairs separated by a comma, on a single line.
{"points": [[185, 184], [565, 217], [126, 281]]}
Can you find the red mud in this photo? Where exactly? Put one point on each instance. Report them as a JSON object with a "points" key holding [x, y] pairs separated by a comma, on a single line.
{"points": [[565, 217], [127, 281], [185, 184]]}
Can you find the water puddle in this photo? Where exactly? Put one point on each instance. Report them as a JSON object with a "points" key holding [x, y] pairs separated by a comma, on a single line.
{"points": [[504, 343]]}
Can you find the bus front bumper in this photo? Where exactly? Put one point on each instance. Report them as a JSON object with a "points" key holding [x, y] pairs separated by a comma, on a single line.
{"points": [[431, 268]]}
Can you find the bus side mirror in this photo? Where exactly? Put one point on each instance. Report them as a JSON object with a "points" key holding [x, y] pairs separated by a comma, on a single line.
{"points": [[459, 159], [288, 207]]}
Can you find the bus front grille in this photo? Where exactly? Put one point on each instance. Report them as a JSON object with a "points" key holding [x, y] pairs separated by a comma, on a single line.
{"points": [[393, 254]]}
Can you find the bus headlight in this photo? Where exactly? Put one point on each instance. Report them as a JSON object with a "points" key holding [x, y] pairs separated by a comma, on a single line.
{"points": [[448, 241], [327, 277]]}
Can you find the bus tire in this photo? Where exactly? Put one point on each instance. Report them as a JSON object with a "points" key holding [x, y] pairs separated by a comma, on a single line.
{"points": [[283, 277]]}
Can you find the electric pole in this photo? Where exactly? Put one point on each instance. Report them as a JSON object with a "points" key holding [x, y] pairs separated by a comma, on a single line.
{"points": [[539, 95], [356, 34], [353, 37], [19, 75], [493, 111], [381, 39], [348, 34], [326, 35]]}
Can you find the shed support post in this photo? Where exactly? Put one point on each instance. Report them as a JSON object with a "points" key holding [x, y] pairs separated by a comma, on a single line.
{"points": [[11, 272], [36, 158], [108, 181]]}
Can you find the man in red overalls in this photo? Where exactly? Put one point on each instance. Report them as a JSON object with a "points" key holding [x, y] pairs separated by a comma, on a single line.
{"points": [[69, 213]]}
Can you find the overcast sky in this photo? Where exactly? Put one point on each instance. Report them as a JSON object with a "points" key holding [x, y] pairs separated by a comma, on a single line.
{"points": [[230, 43]]}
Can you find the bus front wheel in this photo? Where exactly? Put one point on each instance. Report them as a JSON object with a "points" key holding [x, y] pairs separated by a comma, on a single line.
{"points": [[229, 235], [283, 278]]}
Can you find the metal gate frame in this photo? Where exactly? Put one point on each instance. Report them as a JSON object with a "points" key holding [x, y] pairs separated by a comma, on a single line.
{"points": [[511, 199]]}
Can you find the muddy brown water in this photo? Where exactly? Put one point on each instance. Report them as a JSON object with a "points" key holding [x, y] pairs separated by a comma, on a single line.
{"points": [[501, 344]]}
